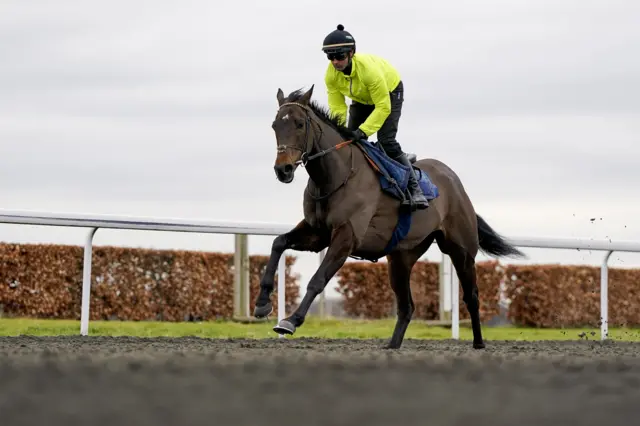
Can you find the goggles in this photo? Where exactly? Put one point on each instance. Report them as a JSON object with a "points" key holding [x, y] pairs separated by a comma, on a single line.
{"points": [[336, 55]]}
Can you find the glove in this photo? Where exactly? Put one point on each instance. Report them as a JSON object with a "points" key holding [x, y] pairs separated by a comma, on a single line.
{"points": [[358, 135]]}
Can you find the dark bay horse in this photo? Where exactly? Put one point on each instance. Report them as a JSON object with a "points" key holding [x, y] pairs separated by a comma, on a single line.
{"points": [[346, 210]]}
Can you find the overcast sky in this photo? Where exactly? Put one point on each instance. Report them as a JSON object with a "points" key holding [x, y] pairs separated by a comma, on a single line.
{"points": [[164, 109]]}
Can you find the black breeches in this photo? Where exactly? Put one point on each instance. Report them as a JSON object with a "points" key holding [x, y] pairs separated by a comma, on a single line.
{"points": [[358, 113]]}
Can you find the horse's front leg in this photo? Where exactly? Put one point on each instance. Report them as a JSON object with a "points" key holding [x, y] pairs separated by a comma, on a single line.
{"points": [[302, 238], [341, 246]]}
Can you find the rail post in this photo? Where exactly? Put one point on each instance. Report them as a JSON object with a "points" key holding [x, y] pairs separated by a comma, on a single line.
{"points": [[282, 281], [86, 282], [241, 277], [604, 296]]}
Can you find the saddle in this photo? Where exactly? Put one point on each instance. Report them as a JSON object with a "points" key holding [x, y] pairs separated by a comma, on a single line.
{"points": [[394, 177]]}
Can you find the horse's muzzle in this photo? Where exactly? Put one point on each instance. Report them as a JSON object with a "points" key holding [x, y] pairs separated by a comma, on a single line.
{"points": [[284, 172]]}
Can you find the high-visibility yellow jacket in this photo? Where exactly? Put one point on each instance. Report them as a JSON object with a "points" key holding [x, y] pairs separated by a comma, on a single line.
{"points": [[370, 81]]}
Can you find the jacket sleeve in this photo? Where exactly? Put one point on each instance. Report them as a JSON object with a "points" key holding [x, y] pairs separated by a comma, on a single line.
{"points": [[337, 105], [379, 91]]}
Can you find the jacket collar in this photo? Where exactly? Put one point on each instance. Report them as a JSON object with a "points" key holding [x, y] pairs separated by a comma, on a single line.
{"points": [[354, 67]]}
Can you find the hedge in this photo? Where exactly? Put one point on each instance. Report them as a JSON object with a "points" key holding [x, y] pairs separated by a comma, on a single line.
{"points": [[45, 281]]}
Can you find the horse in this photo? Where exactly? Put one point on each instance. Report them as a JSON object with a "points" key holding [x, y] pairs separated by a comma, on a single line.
{"points": [[347, 211]]}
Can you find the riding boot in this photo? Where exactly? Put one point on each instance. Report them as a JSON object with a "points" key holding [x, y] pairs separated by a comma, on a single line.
{"points": [[418, 200]]}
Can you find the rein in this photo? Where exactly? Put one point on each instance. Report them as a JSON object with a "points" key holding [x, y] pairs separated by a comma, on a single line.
{"points": [[306, 158]]}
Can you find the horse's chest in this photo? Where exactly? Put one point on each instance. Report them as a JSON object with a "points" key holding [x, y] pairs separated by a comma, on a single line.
{"points": [[315, 213], [323, 214]]}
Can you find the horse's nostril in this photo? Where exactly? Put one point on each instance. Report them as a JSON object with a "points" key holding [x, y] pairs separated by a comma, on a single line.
{"points": [[288, 168]]}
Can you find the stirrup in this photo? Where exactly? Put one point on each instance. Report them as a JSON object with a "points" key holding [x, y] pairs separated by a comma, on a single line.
{"points": [[409, 201]]}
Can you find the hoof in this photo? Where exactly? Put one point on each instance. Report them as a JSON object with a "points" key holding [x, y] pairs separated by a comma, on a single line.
{"points": [[478, 345], [263, 311], [285, 327]]}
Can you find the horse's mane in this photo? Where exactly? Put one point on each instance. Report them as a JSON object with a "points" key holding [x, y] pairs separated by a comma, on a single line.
{"points": [[324, 114]]}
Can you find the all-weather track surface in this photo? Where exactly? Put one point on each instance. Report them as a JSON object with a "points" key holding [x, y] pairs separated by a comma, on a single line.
{"points": [[306, 382]]}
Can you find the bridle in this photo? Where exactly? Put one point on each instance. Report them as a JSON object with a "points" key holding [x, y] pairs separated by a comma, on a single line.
{"points": [[306, 158]]}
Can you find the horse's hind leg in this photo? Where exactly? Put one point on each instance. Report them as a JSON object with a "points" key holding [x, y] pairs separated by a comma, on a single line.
{"points": [[400, 266], [465, 266]]}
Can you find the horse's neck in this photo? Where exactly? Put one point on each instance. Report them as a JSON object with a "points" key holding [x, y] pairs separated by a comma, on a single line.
{"points": [[333, 168]]}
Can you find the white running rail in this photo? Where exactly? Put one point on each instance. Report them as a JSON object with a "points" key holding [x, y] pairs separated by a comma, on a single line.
{"points": [[93, 222], [451, 284]]}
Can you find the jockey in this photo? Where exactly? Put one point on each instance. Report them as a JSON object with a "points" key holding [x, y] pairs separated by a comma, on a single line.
{"points": [[377, 93]]}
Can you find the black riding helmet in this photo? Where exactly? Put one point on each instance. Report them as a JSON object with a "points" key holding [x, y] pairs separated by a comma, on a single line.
{"points": [[338, 41]]}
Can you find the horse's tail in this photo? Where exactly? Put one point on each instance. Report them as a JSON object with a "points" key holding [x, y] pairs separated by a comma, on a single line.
{"points": [[491, 242]]}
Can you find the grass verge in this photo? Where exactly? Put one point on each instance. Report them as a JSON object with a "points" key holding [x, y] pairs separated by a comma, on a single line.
{"points": [[313, 327]]}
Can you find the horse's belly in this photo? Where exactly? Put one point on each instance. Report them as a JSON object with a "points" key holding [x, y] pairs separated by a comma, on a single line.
{"points": [[382, 226], [378, 234]]}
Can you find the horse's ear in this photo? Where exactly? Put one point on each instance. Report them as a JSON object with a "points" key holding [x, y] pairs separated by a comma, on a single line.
{"points": [[306, 98], [280, 96]]}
